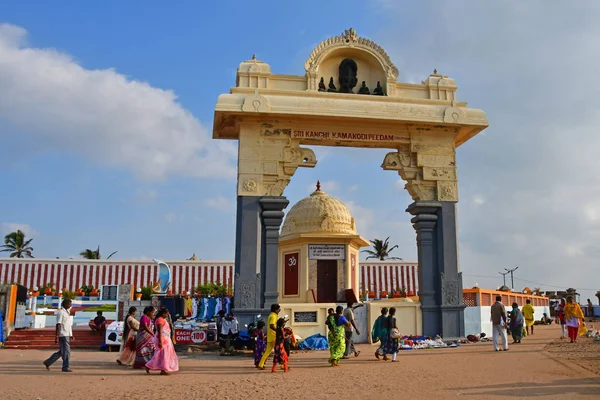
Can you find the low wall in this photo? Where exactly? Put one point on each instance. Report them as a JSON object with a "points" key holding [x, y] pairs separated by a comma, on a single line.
{"points": [[477, 319], [408, 317]]}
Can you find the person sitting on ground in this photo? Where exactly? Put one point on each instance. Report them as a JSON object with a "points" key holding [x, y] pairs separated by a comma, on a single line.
{"points": [[546, 320], [98, 323]]}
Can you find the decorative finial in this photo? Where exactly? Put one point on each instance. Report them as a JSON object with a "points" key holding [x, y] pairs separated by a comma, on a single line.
{"points": [[318, 186], [435, 71], [350, 36], [254, 56]]}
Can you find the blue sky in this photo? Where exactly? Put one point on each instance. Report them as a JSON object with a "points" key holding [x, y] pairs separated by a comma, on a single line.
{"points": [[106, 117]]}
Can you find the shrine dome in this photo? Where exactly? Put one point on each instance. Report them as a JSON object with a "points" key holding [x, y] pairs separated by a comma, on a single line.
{"points": [[319, 213]]}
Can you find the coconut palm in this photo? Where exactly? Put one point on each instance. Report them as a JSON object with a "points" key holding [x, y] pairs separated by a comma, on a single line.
{"points": [[94, 254], [16, 244], [381, 250]]}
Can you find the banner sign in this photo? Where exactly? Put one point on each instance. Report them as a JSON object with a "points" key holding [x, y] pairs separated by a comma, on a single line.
{"points": [[326, 252], [183, 336]]}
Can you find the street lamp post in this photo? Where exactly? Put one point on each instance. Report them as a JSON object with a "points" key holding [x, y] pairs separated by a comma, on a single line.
{"points": [[512, 279]]}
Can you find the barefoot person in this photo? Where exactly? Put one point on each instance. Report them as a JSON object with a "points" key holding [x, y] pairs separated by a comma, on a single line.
{"points": [[349, 330], [271, 334], [261, 342], [280, 356], [337, 338], [560, 314], [64, 337], [573, 317], [528, 312], [379, 332], [130, 330], [165, 360], [499, 324], [391, 345], [516, 323], [144, 340]]}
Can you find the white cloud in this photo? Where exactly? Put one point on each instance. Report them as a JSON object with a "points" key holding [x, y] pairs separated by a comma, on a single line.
{"points": [[220, 203], [172, 216], [478, 200], [352, 188], [9, 227], [536, 169], [573, 250], [144, 196], [364, 219], [56, 104]]}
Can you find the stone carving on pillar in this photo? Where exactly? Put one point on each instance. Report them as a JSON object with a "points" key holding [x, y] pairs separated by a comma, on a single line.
{"points": [[246, 295], [267, 164], [256, 103], [429, 170], [450, 291]]}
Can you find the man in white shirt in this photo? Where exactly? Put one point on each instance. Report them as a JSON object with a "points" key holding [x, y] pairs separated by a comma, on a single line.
{"points": [[64, 336], [349, 330]]}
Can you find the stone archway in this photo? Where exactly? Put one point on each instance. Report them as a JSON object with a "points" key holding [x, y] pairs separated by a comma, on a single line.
{"points": [[274, 116]]}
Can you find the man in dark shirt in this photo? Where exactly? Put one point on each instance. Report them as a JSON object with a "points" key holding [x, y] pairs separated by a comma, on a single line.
{"points": [[499, 324], [98, 323]]}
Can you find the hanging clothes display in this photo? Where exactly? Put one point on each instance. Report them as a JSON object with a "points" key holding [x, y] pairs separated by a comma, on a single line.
{"points": [[227, 304], [194, 308], [188, 307], [229, 325], [218, 306], [169, 303]]}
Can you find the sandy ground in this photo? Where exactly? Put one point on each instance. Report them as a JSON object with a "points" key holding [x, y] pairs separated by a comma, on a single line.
{"points": [[540, 367]]}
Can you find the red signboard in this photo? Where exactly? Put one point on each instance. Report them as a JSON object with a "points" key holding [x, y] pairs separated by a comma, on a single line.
{"points": [[184, 336]]}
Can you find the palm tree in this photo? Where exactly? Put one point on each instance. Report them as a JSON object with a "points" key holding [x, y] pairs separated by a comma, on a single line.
{"points": [[380, 250], [94, 254], [16, 244]]}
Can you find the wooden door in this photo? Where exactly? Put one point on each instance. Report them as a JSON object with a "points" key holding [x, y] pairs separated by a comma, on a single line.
{"points": [[326, 281]]}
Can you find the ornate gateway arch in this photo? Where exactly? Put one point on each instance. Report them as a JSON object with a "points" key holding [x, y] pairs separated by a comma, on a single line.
{"points": [[349, 97]]}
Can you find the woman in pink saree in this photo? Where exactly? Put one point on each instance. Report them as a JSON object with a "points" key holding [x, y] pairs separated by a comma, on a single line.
{"points": [[144, 341], [165, 360]]}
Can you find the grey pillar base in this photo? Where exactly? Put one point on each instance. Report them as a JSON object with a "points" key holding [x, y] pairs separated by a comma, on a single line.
{"points": [[453, 322], [248, 284], [440, 283], [272, 217]]}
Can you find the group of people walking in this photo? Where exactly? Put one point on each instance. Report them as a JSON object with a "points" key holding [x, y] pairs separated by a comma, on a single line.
{"points": [[519, 322], [148, 343], [275, 342], [385, 331]]}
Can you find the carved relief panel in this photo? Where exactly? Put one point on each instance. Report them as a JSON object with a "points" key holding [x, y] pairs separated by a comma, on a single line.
{"points": [[427, 164], [268, 158]]}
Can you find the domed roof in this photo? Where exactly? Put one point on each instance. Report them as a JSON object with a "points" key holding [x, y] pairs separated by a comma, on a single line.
{"points": [[319, 213]]}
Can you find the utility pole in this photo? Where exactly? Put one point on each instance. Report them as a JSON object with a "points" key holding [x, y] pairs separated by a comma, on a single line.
{"points": [[512, 280], [503, 276]]}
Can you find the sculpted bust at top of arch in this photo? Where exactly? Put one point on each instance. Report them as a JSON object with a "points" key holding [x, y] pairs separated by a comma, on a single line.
{"points": [[349, 44]]}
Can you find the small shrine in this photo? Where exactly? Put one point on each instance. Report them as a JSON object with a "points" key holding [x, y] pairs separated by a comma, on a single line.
{"points": [[318, 252]]}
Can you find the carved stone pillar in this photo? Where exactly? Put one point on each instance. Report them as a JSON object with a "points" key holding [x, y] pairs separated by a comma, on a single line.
{"points": [[272, 217], [452, 305], [424, 222], [248, 285]]}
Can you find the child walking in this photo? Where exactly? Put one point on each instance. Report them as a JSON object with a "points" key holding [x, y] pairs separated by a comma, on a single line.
{"points": [[261, 342], [280, 356]]}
